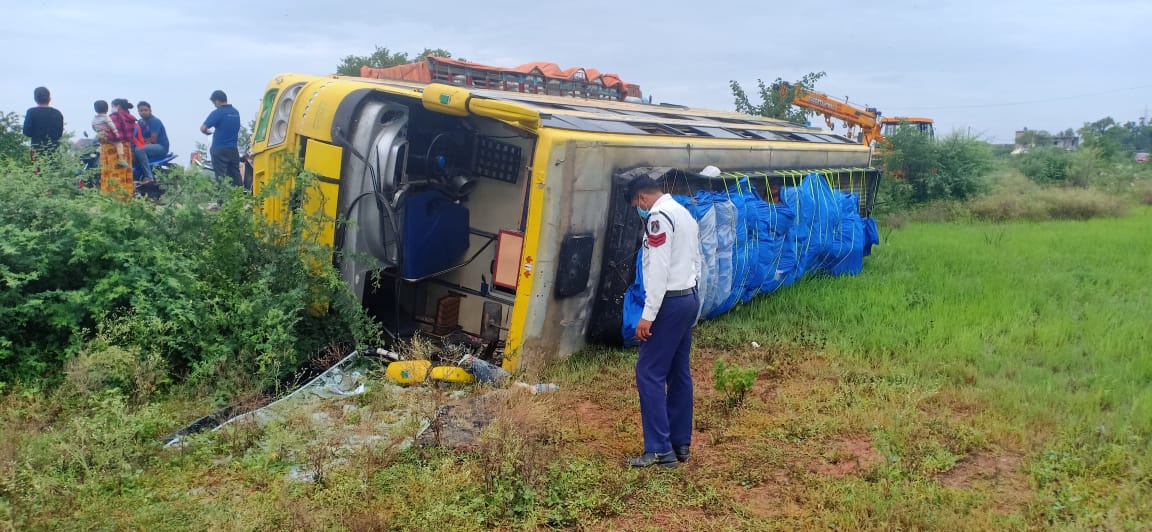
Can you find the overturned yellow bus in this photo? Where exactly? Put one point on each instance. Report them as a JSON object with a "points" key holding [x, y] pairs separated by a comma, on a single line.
{"points": [[500, 213]]}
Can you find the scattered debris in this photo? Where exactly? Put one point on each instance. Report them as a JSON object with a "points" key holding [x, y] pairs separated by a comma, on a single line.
{"points": [[332, 383], [458, 424]]}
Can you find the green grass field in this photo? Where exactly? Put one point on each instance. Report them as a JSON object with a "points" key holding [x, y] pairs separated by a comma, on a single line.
{"points": [[975, 376]]}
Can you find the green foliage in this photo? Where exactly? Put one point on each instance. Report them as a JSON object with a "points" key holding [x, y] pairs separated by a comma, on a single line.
{"points": [[219, 294], [13, 145], [1106, 136], [733, 381], [950, 168], [383, 57], [1046, 164], [775, 99], [99, 444], [1110, 140], [102, 366], [978, 380], [580, 490]]}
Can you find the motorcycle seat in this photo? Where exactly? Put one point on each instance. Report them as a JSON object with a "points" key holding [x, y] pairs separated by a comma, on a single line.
{"points": [[163, 160]]}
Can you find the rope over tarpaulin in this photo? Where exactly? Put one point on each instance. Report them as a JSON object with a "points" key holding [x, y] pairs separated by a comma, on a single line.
{"points": [[750, 245]]}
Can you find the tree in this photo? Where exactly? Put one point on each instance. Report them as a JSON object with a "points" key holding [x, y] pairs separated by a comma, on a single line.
{"points": [[383, 58], [1138, 136], [1104, 135], [775, 100]]}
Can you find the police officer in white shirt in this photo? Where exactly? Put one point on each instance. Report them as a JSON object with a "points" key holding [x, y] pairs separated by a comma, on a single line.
{"points": [[671, 267]]}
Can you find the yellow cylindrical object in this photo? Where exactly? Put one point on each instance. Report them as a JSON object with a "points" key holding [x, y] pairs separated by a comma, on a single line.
{"points": [[506, 111], [446, 99], [408, 371], [451, 374]]}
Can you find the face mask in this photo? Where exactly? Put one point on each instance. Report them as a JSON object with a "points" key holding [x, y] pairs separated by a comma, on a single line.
{"points": [[642, 212]]}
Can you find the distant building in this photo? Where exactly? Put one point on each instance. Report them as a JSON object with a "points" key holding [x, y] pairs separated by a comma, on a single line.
{"points": [[1027, 139], [1069, 143]]}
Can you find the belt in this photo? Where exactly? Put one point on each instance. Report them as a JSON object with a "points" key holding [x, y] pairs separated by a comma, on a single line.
{"points": [[677, 293]]}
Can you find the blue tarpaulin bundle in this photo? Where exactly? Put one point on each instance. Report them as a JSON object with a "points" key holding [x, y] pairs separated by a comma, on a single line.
{"points": [[751, 246]]}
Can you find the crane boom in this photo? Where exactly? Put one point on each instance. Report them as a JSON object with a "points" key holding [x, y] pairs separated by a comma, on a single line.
{"points": [[867, 119]]}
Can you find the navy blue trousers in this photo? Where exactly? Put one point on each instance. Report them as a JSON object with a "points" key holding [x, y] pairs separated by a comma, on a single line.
{"points": [[664, 376]]}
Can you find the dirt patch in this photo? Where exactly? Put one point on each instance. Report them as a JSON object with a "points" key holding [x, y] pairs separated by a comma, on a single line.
{"points": [[848, 457], [773, 499], [1002, 474], [952, 404], [607, 431], [999, 470]]}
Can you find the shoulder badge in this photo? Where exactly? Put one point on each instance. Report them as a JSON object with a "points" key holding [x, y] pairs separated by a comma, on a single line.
{"points": [[654, 226]]}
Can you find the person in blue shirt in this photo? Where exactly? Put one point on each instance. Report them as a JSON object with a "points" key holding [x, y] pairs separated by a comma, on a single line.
{"points": [[224, 126], [155, 136]]}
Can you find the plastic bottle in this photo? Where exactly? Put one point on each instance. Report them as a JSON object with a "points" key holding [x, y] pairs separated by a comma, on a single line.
{"points": [[545, 387]]}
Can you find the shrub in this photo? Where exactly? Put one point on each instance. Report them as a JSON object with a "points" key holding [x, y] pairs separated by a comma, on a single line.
{"points": [[952, 168], [733, 381], [217, 293], [101, 366], [1046, 164]]}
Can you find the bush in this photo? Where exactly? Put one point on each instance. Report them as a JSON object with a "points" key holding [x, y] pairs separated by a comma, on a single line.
{"points": [[217, 293], [952, 168], [733, 381], [1046, 164]]}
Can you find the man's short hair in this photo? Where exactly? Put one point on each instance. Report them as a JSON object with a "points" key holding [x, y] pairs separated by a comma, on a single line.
{"points": [[143, 103], [100, 106], [641, 184], [218, 96], [41, 95]]}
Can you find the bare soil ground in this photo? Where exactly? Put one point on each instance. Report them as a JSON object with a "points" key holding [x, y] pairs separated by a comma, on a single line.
{"points": [[775, 459]]}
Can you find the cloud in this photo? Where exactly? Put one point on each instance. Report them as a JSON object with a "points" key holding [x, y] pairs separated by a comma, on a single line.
{"points": [[905, 56]]}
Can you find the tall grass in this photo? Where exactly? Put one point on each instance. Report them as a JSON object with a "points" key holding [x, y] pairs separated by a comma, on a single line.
{"points": [[1047, 324]]}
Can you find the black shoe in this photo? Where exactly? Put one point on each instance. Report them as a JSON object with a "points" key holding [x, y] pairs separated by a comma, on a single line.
{"points": [[651, 459], [682, 452]]}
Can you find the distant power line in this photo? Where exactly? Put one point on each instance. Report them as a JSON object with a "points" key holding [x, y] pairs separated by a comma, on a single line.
{"points": [[1026, 102]]}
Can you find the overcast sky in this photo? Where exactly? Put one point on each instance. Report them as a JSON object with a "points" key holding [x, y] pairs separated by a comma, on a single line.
{"points": [[986, 66]]}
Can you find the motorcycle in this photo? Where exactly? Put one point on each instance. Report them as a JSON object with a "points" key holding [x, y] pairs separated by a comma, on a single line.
{"points": [[88, 151], [203, 162]]}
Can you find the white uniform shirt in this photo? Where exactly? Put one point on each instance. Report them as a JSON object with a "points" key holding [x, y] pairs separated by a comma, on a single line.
{"points": [[671, 259]]}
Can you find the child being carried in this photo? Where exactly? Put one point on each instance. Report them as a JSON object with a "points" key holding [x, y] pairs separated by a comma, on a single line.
{"points": [[106, 130]]}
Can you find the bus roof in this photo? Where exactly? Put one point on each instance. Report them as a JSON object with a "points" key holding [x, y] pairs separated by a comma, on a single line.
{"points": [[607, 116]]}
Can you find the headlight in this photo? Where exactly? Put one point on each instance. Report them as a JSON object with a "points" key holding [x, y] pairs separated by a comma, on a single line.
{"points": [[283, 114]]}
